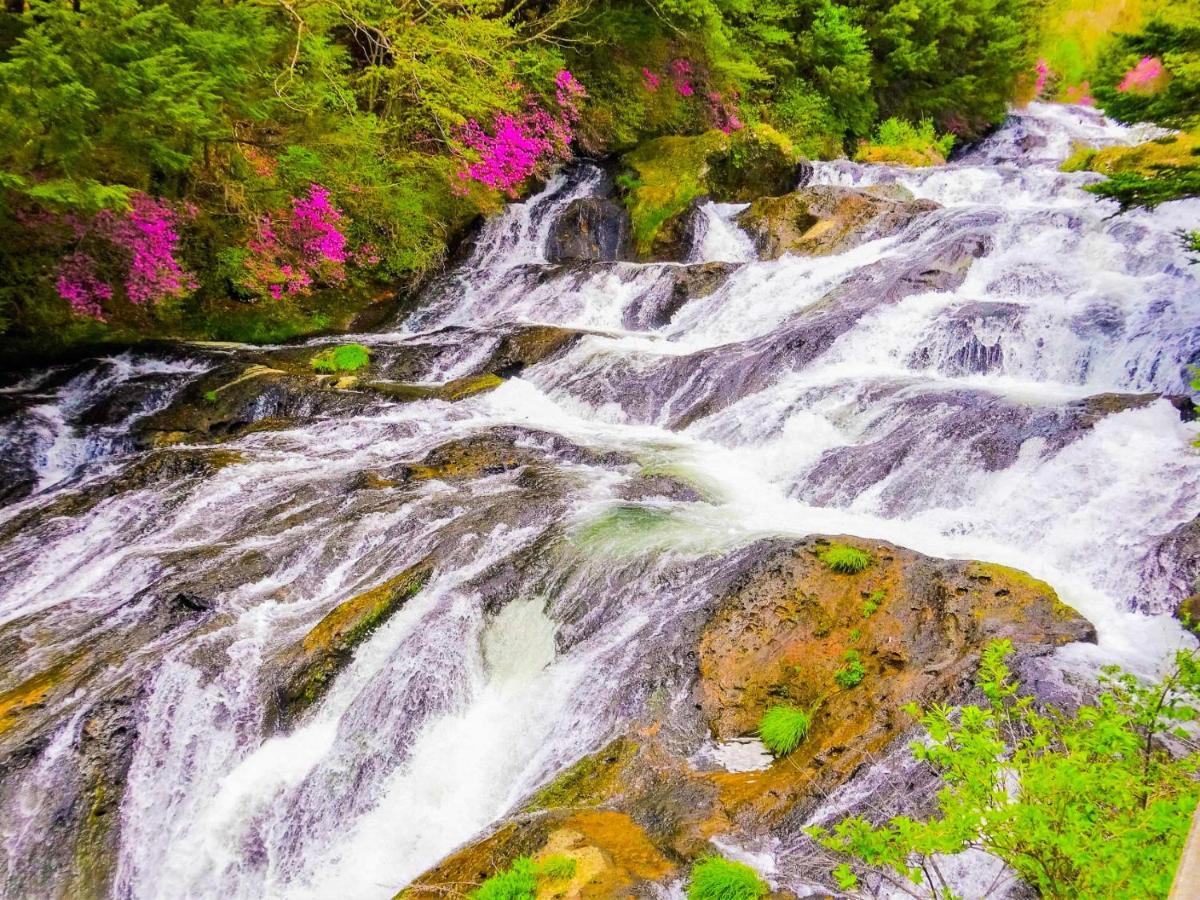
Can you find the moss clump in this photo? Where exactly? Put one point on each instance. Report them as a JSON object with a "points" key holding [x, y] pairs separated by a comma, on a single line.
{"points": [[852, 671], [845, 560], [1146, 174], [520, 880], [719, 879], [590, 781], [345, 358], [783, 728]]}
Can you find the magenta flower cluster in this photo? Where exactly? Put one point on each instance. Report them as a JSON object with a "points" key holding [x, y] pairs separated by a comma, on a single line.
{"points": [[1043, 75], [1144, 78], [681, 73], [145, 237], [293, 250], [649, 80], [522, 144]]}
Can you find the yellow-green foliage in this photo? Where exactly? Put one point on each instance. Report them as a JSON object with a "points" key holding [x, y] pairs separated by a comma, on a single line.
{"points": [[345, 358], [1075, 32], [898, 142]]}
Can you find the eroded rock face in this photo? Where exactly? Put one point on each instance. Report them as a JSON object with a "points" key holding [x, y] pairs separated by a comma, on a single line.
{"points": [[591, 229], [825, 219], [777, 630]]}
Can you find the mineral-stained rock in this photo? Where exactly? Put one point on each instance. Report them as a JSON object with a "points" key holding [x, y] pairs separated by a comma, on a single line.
{"points": [[304, 672], [775, 633], [825, 219]]}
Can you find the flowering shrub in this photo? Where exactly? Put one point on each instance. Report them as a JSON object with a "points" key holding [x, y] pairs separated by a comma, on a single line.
{"points": [[681, 74], [1043, 75], [522, 144], [291, 251], [1080, 93], [144, 238], [1147, 77], [723, 113], [650, 81], [78, 284]]}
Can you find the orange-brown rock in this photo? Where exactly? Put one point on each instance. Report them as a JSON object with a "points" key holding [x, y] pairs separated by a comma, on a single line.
{"points": [[778, 634]]}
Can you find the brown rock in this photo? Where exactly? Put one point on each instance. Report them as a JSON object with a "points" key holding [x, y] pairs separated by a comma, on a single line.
{"points": [[821, 220]]}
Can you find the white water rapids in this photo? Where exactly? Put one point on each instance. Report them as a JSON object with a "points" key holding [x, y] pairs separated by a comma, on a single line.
{"points": [[944, 420]]}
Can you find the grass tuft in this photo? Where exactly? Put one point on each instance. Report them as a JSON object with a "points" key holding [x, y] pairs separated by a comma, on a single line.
{"points": [[346, 358], [719, 879], [845, 560], [783, 728], [520, 880]]}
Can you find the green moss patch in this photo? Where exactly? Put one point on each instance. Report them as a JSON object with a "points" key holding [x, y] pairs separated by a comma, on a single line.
{"points": [[344, 358]]}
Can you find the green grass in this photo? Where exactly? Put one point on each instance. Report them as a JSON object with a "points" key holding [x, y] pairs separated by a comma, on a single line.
{"points": [[872, 603], [346, 358], [520, 880], [783, 728], [845, 560], [852, 672], [719, 879]]}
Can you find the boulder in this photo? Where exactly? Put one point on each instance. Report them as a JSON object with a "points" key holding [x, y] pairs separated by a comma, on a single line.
{"points": [[776, 631], [827, 219], [591, 229]]}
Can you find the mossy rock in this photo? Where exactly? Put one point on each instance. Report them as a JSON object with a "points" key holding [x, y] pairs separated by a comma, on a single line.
{"points": [[827, 219], [308, 668], [1147, 159], [664, 176], [343, 358]]}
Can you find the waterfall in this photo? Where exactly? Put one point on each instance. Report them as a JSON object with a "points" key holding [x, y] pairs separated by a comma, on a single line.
{"points": [[994, 382]]}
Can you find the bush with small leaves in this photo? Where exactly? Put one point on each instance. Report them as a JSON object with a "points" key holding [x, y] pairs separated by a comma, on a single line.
{"points": [[719, 879], [783, 728], [845, 560], [852, 672], [1095, 803]]}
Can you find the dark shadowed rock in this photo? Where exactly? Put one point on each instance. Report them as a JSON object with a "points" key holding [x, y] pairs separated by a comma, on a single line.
{"points": [[591, 229]]}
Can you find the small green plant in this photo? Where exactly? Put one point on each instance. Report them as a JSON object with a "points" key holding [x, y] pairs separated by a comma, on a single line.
{"points": [[783, 728], [873, 602], [1091, 804], [845, 560], [210, 396], [855, 635], [346, 358], [852, 672], [520, 880], [717, 878]]}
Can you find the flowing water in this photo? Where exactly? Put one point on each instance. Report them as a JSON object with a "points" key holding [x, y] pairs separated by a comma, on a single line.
{"points": [[930, 388]]}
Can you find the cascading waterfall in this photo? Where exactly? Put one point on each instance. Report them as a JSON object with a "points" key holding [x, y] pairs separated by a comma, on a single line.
{"points": [[952, 420]]}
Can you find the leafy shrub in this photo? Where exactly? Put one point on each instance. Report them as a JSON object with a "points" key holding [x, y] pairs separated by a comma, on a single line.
{"points": [[345, 358], [845, 560], [1090, 804], [852, 672], [783, 728], [520, 880], [719, 879]]}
